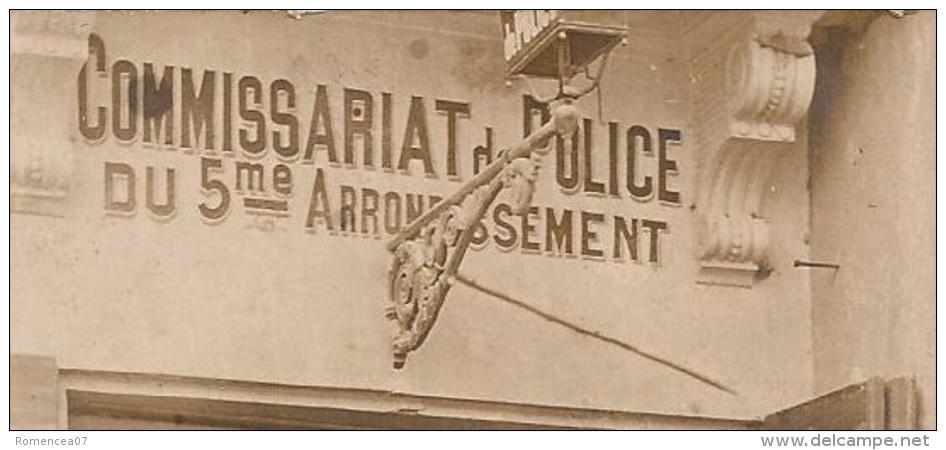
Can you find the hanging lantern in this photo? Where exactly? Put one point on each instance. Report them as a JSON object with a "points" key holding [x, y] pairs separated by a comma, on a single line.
{"points": [[557, 44]]}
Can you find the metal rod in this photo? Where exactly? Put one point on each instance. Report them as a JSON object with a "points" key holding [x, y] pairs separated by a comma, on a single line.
{"points": [[594, 334], [821, 265]]}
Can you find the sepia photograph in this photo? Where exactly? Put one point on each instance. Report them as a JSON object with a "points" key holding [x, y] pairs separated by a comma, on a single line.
{"points": [[529, 219]]}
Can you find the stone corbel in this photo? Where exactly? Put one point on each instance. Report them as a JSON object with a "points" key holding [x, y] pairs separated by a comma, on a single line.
{"points": [[754, 83], [47, 50]]}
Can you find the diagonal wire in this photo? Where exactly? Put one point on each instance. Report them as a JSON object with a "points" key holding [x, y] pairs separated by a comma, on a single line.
{"points": [[593, 334]]}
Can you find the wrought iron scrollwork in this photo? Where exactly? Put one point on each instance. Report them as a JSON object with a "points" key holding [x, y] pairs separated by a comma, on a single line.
{"points": [[420, 277], [428, 252]]}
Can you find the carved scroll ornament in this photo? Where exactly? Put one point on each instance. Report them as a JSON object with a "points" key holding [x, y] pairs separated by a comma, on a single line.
{"points": [[47, 50], [769, 82], [39, 176]]}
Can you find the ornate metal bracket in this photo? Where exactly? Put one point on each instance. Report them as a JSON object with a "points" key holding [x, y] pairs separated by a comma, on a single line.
{"points": [[428, 252]]}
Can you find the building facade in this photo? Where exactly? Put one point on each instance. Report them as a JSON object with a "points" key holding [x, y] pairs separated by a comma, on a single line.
{"points": [[200, 204]]}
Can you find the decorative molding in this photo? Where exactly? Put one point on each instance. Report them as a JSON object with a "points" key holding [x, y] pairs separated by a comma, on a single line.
{"points": [[46, 47], [345, 398], [40, 170], [753, 84]]}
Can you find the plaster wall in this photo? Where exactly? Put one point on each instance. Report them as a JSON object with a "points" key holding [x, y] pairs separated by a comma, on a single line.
{"points": [[873, 179], [263, 300]]}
